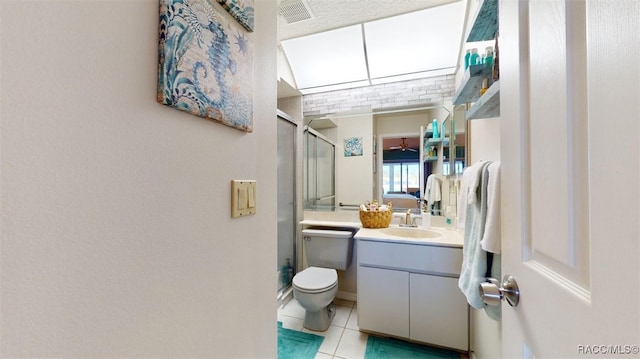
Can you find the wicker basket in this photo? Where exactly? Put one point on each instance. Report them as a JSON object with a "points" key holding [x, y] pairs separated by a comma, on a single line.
{"points": [[376, 219]]}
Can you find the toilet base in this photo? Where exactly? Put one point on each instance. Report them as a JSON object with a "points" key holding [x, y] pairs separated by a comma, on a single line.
{"points": [[320, 320]]}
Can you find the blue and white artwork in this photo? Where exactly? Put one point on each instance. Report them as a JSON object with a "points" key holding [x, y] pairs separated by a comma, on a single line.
{"points": [[352, 146], [241, 10], [205, 63]]}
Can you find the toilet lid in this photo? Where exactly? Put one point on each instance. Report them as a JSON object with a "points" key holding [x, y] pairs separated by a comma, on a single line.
{"points": [[315, 279]]}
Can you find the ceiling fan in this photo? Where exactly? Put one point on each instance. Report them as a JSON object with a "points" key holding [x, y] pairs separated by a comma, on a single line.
{"points": [[403, 146]]}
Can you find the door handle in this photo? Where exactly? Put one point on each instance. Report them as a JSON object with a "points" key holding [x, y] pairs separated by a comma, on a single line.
{"points": [[492, 292]]}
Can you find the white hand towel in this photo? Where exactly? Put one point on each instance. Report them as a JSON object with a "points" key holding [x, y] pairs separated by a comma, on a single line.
{"points": [[461, 204], [433, 190], [475, 174], [491, 239], [467, 193]]}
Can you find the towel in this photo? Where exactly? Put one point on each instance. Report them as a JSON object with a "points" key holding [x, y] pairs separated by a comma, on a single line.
{"points": [[491, 239], [432, 189], [474, 181], [474, 260], [461, 203]]}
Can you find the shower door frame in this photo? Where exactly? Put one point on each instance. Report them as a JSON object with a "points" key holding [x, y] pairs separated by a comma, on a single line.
{"points": [[283, 290]]}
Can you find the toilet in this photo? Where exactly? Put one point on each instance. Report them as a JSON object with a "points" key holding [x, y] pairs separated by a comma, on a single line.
{"points": [[327, 251]]}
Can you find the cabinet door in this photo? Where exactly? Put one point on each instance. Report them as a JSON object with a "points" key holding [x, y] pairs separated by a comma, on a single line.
{"points": [[439, 313], [383, 301]]}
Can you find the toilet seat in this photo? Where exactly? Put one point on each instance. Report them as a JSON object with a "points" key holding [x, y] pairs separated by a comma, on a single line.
{"points": [[315, 280]]}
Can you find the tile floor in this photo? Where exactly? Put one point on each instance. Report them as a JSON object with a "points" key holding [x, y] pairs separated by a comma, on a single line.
{"points": [[341, 341]]}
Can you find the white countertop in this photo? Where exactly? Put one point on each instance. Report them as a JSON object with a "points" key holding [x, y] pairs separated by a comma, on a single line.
{"points": [[449, 238], [330, 223]]}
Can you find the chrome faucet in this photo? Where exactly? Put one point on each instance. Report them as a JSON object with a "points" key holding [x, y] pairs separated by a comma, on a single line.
{"points": [[408, 221]]}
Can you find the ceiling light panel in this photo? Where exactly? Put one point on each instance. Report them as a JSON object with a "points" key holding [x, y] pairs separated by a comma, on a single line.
{"points": [[420, 41], [327, 58]]}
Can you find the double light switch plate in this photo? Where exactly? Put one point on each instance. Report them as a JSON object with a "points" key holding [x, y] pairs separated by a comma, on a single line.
{"points": [[243, 198]]}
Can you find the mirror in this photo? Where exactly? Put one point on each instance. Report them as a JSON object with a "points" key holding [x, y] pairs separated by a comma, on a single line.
{"points": [[400, 171], [362, 178], [440, 156], [442, 171]]}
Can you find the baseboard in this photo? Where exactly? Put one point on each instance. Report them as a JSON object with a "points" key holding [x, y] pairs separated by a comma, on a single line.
{"points": [[347, 296]]}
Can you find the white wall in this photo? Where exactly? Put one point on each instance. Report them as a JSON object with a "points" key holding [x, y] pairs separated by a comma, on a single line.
{"points": [[116, 234], [484, 140], [402, 122], [354, 175], [284, 70]]}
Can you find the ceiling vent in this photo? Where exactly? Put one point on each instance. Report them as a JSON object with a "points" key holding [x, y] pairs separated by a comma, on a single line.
{"points": [[295, 11]]}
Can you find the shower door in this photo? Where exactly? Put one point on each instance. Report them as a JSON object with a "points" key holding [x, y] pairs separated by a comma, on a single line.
{"points": [[287, 222]]}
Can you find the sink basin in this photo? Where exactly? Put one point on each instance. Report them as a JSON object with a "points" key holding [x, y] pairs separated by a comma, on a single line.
{"points": [[411, 232]]}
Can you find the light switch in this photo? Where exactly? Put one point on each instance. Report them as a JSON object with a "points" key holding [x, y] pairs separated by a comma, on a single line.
{"points": [[252, 195], [243, 198]]}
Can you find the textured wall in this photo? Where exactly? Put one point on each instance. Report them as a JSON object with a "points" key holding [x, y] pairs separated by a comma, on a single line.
{"points": [[116, 235], [379, 97]]}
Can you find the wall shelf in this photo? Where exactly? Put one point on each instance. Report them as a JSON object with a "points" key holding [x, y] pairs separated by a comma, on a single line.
{"points": [[488, 105], [431, 142], [437, 141], [469, 90], [484, 28], [485, 24]]}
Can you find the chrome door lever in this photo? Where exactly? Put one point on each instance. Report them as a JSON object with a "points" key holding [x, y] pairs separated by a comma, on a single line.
{"points": [[492, 292]]}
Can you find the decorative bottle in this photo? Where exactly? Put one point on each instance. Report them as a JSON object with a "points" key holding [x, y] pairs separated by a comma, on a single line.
{"points": [[474, 59], [488, 56], [436, 133], [467, 59]]}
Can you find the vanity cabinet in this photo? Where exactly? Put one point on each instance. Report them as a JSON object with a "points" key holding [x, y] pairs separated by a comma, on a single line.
{"points": [[410, 291], [436, 299], [386, 307]]}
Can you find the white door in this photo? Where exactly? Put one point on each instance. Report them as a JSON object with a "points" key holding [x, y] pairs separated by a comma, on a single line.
{"points": [[570, 95]]}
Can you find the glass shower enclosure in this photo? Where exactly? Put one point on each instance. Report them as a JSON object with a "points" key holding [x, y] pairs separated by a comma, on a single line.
{"points": [[319, 171], [287, 222]]}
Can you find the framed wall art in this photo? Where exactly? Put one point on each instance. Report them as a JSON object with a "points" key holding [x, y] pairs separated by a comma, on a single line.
{"points": [[205, 63], [241, 10], [353, 146]]}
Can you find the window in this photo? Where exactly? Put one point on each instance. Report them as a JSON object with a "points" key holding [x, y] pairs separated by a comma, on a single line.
{"points": [[400, 176]]}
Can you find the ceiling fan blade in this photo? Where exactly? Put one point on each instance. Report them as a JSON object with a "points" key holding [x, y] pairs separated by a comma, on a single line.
{"points": [[412, 149]]}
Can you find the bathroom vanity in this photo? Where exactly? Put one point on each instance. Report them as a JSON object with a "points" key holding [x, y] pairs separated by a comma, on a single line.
{"points": [[408, 285]]}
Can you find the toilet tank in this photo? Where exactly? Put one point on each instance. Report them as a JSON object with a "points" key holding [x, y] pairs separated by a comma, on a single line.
{"points": [[328, 248]]}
